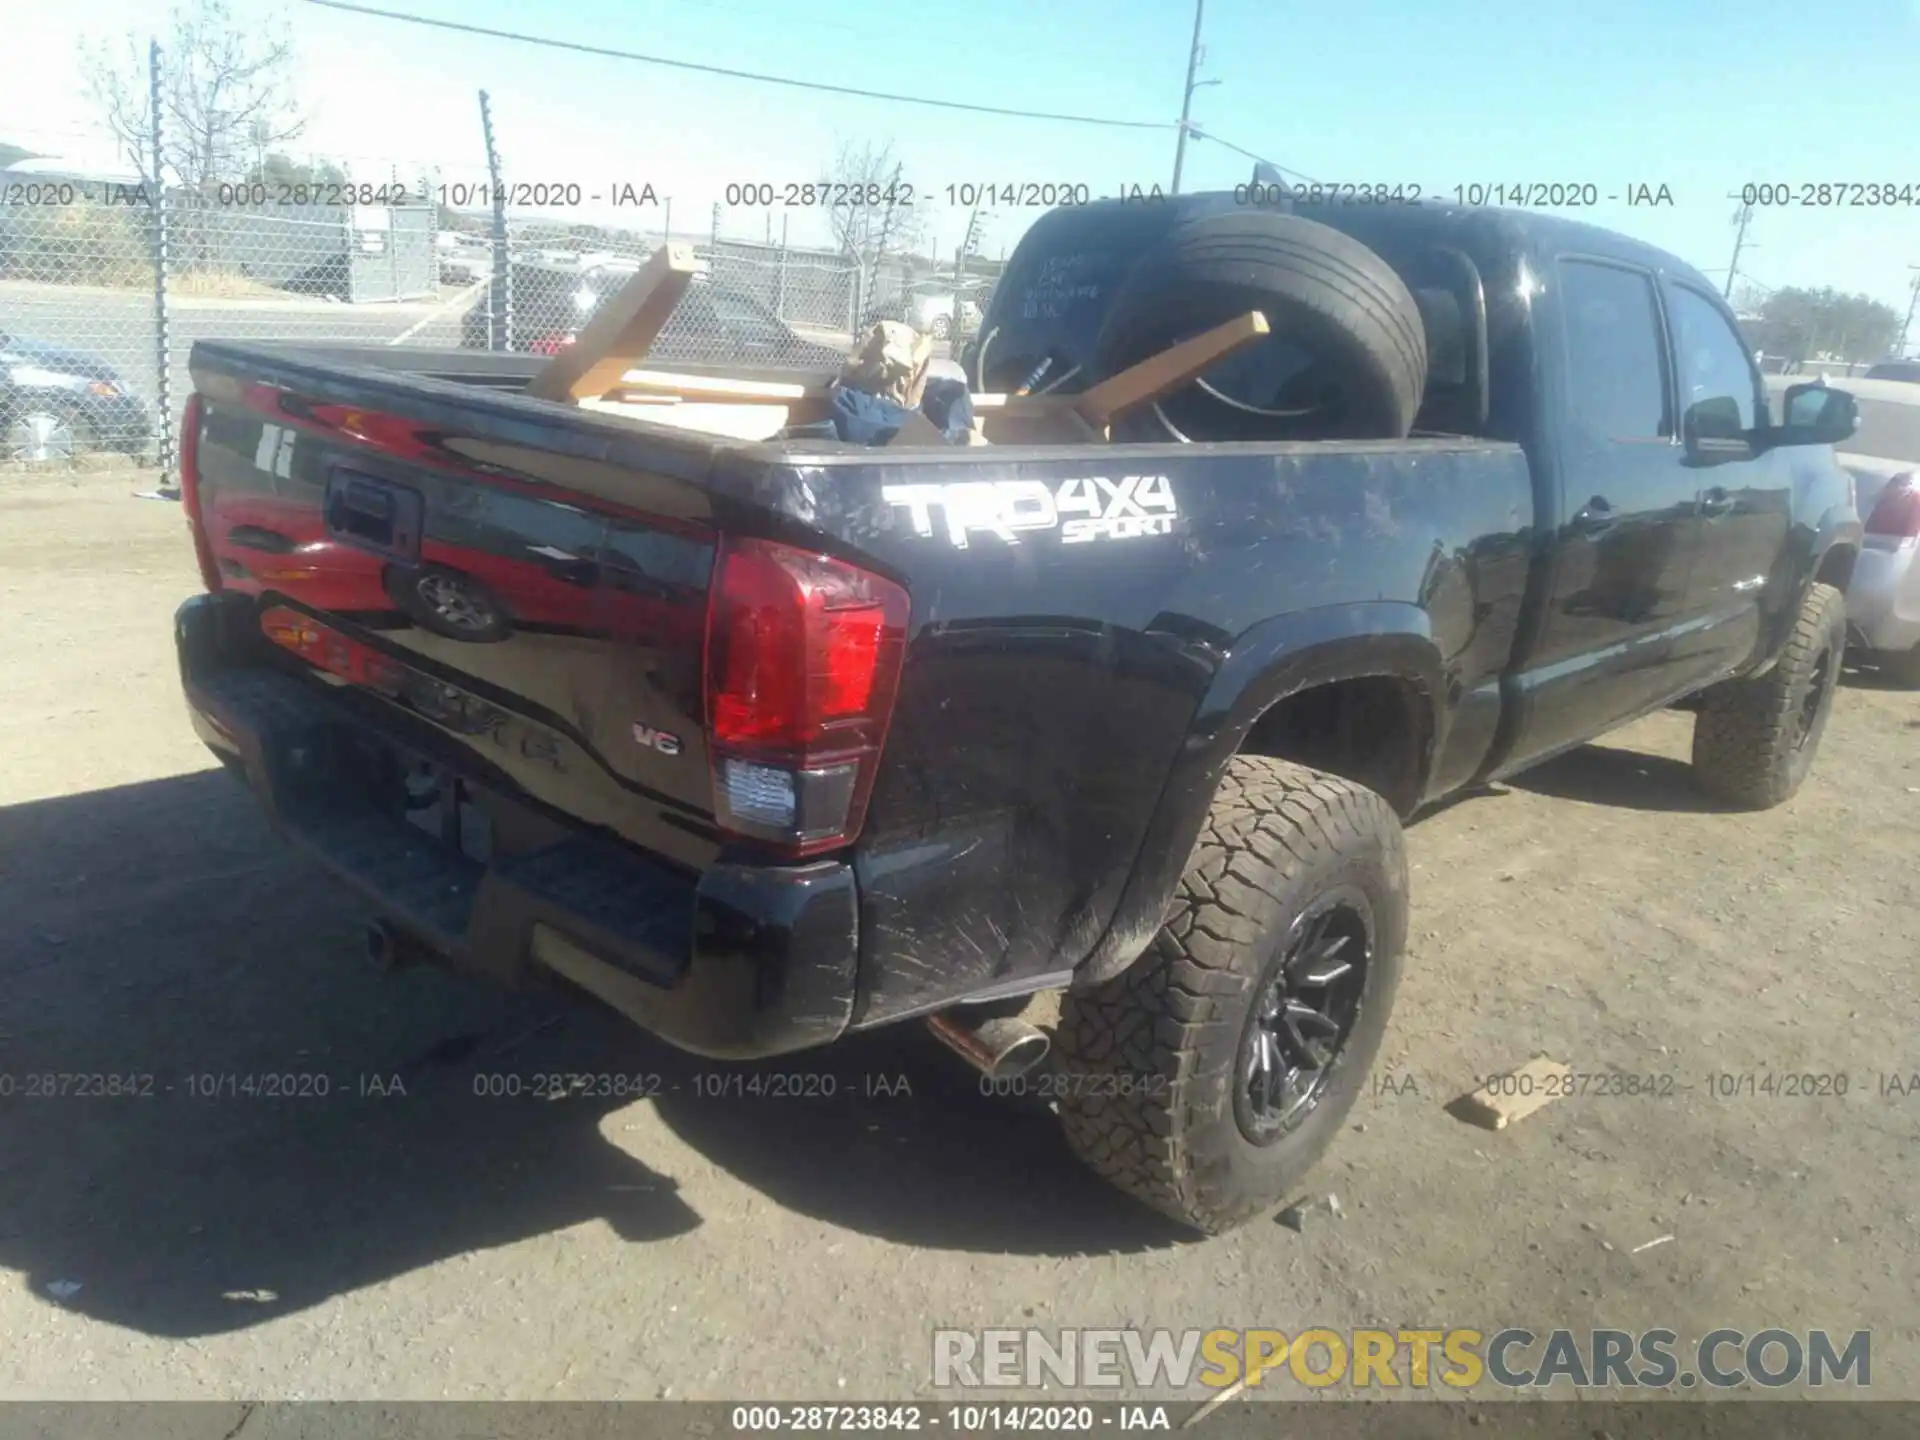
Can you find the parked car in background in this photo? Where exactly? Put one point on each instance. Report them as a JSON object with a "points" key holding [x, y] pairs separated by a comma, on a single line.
{"points": [[930, 309], [55, 404], [713, 323], [462, 258], [1883, 457], [1905, 370]]}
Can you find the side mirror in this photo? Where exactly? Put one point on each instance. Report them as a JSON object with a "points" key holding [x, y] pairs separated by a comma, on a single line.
{"points": [[1819, 415], [1713, 423], [1711, 432]]}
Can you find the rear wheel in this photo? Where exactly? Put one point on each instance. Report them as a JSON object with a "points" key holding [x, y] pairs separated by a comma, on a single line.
{"points": [[1207, 1079], [1754, 739], [450, 603], [44, 435]]}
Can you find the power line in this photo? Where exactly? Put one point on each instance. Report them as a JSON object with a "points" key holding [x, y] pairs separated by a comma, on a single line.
{"points": [[721, 70], [1200, 134]]}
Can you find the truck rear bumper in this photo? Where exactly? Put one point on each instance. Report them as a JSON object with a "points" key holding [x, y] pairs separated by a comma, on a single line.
{"points": [[738, 962]]}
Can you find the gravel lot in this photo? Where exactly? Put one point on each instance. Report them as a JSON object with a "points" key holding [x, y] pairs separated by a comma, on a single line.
{"points": [[432, 1243]]}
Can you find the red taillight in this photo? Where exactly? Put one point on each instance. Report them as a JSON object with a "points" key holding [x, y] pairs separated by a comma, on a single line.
{"points": [[190, 420], [802, 664], [1897, 511]]}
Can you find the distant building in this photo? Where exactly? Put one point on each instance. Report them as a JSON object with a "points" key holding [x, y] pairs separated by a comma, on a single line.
{"points": [[55, 169]]}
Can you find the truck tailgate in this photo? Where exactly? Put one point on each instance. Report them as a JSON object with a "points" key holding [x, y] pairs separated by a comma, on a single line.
{"points": [[532, 585]]}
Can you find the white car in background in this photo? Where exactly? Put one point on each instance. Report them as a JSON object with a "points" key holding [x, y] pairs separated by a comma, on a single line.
{"points": [[464, 259], [1883, 598], [931, 310]]}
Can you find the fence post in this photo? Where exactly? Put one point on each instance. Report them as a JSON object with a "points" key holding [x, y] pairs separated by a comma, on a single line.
{"points": [[162, 314], [780, 274], [500, 283]]}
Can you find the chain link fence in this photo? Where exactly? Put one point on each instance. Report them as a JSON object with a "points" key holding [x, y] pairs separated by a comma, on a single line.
{"points": [[91, 348], [751, 305]]}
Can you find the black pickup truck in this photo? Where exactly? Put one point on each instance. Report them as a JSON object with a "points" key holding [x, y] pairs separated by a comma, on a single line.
{"points": [[765, 743]]}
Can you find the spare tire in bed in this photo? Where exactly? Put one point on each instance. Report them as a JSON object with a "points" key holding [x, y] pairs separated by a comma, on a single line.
{"points": [[1347, 359]]}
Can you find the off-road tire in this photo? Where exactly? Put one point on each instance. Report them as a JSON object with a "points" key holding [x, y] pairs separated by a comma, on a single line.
{"points": [[1150, 1062], [1748, 746]]}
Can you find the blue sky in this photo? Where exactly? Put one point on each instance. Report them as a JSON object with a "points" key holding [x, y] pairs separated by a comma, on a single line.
{"points": [[1697, 96]]}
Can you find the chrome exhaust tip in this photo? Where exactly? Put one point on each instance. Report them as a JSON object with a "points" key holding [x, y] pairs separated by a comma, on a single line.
{"points": [[1000, 1048]]}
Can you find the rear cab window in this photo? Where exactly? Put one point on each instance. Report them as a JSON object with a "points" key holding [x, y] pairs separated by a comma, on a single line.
{"points": [[1614, 352]]}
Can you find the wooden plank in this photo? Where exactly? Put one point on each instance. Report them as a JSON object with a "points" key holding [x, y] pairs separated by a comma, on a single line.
{"points": [[1166, 372], [731, 419], [620, 331], [1048, 425], [636, 383], [917, 429], [1514, 1095]]}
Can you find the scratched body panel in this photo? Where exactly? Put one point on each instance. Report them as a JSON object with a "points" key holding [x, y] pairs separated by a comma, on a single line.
{"points": [[1031, 740]]}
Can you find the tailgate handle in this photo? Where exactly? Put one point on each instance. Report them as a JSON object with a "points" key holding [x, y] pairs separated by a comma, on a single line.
{"points": [[374, 514]]}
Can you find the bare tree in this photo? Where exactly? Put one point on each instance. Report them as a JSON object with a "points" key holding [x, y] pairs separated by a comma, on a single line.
{"points": [[116, 80], [874, 220], [878, 215], [228, 94]]}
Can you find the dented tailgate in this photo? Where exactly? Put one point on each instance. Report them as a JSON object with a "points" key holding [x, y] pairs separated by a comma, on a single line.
{"points": [[545, 610]]}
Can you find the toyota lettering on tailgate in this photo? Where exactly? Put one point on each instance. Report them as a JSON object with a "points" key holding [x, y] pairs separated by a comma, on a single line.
{"points": [[1132, 507]]}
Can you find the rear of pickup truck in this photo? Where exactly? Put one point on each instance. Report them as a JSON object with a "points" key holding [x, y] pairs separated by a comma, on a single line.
{"points": [[762, 743]]}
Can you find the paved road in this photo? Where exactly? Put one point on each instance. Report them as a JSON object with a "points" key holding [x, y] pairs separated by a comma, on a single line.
{"points": [[426, 1239]]}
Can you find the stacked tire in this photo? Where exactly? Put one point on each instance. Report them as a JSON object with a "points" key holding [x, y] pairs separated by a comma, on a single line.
{"points": [[1346, 332]]}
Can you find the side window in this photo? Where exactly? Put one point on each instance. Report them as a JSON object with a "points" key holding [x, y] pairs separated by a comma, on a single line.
{"points": [[1616, 359], [1711, 355]]}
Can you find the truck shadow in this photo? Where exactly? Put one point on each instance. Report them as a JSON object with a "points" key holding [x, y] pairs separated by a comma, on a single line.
{"points": [[1868, 675], [909, 1149], [1625, 779], [212, 1114]]}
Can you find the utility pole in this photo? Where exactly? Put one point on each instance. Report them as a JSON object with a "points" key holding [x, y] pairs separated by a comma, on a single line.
{"points": [[1741, 217], [1913, 299], [1186, 100]]}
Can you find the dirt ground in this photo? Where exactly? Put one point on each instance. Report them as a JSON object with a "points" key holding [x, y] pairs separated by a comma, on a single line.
{"points": [[370, 1243]]}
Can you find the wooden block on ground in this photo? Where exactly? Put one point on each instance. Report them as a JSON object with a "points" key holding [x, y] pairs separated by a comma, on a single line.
{"points": [[620, 331], [1166, 372], [1514, 1095]]}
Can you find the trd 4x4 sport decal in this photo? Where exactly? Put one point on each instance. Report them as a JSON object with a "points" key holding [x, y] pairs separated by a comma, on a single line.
{"points": [[1096, 508]]}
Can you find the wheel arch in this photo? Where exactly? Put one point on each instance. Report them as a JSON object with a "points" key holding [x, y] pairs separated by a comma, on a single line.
{"points": [[1822, 553], [1281, 685]]}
